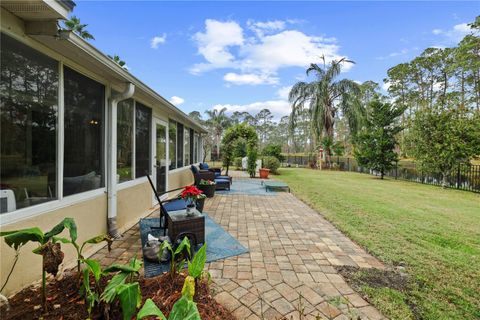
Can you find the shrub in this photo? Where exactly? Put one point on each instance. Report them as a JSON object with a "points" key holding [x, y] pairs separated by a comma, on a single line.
{"points": [[238, 162], [271, 163], [273, 150]]}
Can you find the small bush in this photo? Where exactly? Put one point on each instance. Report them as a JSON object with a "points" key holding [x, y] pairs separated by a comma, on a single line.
{"points": [[271, 163], [273, 150], [237, 162]]}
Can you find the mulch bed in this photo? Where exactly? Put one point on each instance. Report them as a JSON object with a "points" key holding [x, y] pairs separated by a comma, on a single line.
{"points": [[65, 303]]}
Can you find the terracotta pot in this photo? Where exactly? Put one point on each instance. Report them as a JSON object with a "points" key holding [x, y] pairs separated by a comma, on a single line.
{"points": [[264, 173]]}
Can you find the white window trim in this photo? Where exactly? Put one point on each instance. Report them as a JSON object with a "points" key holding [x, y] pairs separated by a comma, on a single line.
{"points": [[42, 208], [61, 201], [131, 183]]}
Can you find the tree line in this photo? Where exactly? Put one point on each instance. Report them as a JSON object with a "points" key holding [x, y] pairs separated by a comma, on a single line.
{"points": [[431, 112]]}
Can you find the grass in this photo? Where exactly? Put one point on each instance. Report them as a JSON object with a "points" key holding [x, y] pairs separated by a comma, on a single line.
{"points": [[433, 232]]}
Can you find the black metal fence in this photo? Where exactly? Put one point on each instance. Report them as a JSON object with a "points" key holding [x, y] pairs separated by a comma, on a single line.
{"points": [[463, 177]]}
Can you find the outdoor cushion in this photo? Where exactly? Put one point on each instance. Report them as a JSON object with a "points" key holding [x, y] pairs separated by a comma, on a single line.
{"points": [[174, 205], [204, 166], [223, 177], [222, 184], [194, 169]]}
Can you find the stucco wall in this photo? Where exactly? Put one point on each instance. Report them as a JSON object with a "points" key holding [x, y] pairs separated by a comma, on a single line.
{"points": [[179, 178], [90, 217], [133, 203]]}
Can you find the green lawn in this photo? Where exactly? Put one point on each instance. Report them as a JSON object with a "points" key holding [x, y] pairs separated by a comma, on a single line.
{"points": [[434, 232]]}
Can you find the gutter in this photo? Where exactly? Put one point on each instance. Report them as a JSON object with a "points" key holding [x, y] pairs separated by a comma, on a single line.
{"points": [[112, 158]]}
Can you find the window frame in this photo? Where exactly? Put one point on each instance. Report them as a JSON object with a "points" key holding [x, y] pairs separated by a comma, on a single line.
{"points": [[61, 201]]}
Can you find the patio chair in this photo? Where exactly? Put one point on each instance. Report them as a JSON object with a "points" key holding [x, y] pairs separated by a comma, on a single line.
{"points": [[167, 205], [222, 182], [216, 171]]}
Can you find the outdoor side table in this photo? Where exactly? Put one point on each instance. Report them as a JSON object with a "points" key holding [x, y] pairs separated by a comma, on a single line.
{"points": [[181, 225], [275, 185]]}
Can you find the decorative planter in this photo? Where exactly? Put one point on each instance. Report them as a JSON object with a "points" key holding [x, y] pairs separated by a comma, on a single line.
{"points": [[191, 209], [208, 189], [200, 204], [264, 173]]}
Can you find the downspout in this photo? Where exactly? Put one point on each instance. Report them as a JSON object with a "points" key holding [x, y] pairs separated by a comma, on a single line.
{"points": [[112, 158]]}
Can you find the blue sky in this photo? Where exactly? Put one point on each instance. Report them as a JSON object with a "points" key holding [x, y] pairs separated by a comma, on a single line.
{"points": [[246, 55]]}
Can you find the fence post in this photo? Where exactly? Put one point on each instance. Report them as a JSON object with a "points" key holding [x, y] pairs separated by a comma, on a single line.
{"points": [[396, 170], [458, 177]]}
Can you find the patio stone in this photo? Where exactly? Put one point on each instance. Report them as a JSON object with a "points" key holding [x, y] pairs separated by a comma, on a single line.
{"points": [[292, 251]]}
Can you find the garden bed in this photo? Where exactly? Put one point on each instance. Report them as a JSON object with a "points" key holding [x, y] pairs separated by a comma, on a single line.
{"points": [[64, 301]]}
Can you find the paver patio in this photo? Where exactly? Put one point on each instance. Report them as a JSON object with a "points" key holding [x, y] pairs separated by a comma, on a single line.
{"points": [[292, 253]]}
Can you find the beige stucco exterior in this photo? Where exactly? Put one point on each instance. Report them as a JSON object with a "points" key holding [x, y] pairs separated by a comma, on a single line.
{"points": [[90, 219], [134, 199]]}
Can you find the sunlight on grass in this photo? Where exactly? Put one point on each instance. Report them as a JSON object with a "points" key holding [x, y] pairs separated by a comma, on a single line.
{"points": [[434, 232]]}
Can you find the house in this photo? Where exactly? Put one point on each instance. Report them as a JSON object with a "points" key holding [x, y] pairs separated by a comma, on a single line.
{"points": [[78, 135]]}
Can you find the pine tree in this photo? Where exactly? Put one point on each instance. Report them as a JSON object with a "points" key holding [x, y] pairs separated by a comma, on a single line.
{"points": [[375, 143]]}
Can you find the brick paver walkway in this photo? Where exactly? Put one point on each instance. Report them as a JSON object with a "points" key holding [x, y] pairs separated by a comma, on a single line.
{"points": [[290, 266]]}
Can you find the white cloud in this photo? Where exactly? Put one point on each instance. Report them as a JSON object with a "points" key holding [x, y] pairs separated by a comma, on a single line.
{"points": [[289, 48], [259, 51], [158, 40], [213, 44], [453, 35], [176, 100], [249, 78], [401, 52], [283, 92], [278, 108], [261, 28]]}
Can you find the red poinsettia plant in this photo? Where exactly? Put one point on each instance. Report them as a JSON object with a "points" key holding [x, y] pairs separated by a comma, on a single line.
{"points": [[192, 193]]}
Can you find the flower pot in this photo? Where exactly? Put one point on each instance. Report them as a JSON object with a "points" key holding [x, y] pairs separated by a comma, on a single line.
{"points": [[208, 189], [200, 204], [264, 173], [190, 209]]}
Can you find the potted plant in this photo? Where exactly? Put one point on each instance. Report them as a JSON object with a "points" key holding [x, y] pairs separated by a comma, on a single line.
{"points": [[208, 187], [264, 173], [190, 194]]}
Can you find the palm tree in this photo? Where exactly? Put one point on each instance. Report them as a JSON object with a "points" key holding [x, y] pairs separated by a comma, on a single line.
{"points": [[117, 60], [324, 98], [218, 121], [74, 25]]}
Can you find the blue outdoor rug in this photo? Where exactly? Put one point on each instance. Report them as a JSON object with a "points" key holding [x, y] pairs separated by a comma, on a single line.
{"points": [[252, 187], [220, 244]]}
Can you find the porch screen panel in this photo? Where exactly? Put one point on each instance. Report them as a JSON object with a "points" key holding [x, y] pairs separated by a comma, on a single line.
{"points": [[124, 140], [84, 133], [172, 144], [186, 138], [179, 145], [28, 102], [143, 138], [192, 146]]}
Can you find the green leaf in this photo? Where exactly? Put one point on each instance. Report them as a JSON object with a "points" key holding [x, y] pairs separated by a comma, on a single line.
{"points": [[17, 238], [195, 267], [179, 265], [130, 299], [132, 267], [185, 244], [184, 309], [68, 223], [110, 291], [94, 267], [61, 239], [150, 309], [98, 239]]}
